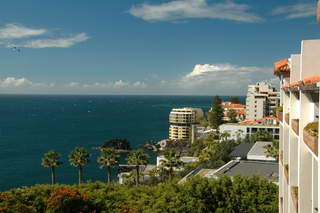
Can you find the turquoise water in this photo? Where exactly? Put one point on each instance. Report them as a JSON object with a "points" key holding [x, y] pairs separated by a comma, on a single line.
{"points": [[32, 125]]}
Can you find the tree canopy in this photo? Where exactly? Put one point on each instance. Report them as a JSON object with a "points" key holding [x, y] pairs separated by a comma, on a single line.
{"points": [[241, 194], [215, 116], [235, 99]]}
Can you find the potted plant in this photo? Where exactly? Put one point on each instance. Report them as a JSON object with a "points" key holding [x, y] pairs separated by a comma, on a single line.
{"points": [[278, 112], [286, 171], [294, 195], [310, 136]]}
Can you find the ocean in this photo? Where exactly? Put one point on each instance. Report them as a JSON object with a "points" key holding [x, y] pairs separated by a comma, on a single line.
{"points": [[31, 125]]}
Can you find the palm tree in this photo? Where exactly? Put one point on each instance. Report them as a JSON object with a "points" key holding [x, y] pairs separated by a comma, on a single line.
{"points": [[225, 135], [108, 159], [78, 158], [137, 158], [172, 160], [273, 150], [51, 159]]}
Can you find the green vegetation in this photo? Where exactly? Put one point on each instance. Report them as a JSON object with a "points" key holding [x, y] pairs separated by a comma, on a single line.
{"points": [[277, 109], [259, 136], [232, 115], [240, 194], [172, 161], [137, 158], [213, 151], [204, 122], [295, 191], [52, 159], [312, 128], [79, 157], [215, 116], [108, 159], [235, 99], [117, 144], [273, 150]]}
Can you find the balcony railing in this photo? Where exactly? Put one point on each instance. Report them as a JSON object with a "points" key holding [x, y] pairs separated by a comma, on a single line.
{"points": [[311, 141], [294, 196], [287, 117], [295, 125], [279, 115]]}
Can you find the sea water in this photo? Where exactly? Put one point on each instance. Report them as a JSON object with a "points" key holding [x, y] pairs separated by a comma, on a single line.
{"points": [[31, 125]]}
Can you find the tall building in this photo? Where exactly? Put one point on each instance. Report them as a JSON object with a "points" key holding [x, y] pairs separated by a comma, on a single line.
{"points": [[181, 121], [299, 160], [262, 98]]}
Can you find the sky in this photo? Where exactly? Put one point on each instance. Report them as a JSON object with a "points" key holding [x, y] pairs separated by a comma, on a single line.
{"points": [[148, 47]]}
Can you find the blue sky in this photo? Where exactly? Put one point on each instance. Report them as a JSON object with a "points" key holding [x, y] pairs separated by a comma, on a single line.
{"points": [[178, 47]]}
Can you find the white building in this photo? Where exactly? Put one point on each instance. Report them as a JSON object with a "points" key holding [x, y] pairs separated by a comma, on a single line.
{"points": [[262, 98], [184, 159], [258, 152], [241, 130], [299, 161], [181, 120]]}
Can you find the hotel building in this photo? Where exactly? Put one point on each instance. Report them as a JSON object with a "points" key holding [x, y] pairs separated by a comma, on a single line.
{"points": [[299, 161], [261, 100], [181, 121]]}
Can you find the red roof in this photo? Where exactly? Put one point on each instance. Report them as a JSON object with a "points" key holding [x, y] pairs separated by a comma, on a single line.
{"points": [[241, 112], [294, 84], [281, 67], [260, 120], [229, 104], [310, 80]]}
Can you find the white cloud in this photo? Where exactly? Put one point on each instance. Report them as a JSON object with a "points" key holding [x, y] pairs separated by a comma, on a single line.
{"points": [[73, 84], [186, 9], [14, 82], [120, 84], [59, 43], [223, 78], [139, 84], [15, 31], [109, 85], [302, 10]]}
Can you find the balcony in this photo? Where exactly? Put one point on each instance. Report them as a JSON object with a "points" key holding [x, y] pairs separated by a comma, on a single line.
{"points": [[287, 117], [311, 141], [294, 196], [295, 125], [281, 157], [286, 172]]}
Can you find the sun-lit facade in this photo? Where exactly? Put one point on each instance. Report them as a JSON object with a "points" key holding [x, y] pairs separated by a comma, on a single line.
{"points": [[299, 161], [181, 121]]}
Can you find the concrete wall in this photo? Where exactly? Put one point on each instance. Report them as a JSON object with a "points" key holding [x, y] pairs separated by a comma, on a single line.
{"points": [[295, 68], [310, 63]]}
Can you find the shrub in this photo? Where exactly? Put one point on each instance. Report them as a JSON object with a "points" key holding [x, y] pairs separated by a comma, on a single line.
{"points": [[68, 200], [279, 109], [239, 194], [312, 128]]}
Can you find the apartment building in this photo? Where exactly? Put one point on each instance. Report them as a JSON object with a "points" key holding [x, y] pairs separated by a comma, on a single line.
{"points": [[239, 109], [247, 128], [299, 161], [261, 100], [181, 121]]}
